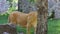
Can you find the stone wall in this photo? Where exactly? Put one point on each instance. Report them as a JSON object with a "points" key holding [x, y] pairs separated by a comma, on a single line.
{"points": [[54, 5], [4, 5]]}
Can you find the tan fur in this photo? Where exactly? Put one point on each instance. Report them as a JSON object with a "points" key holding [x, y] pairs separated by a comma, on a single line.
{"points": [[32, 21], [25, 20]]}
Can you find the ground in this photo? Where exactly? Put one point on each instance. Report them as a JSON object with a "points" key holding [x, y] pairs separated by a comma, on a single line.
{"points": [[53, 26]]}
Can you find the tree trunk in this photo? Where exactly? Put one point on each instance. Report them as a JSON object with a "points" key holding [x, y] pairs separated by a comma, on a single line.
{"points": [[19, 7], [42, 16]]}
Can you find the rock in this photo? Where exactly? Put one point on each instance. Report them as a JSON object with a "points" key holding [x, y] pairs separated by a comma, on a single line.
{"points": [[6, 29]]}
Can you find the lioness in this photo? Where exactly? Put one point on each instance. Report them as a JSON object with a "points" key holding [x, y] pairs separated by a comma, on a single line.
{"points": [[25, 20]]}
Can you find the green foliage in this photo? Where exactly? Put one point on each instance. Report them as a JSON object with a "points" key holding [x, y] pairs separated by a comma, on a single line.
{"points": [[33, 1], [10, 0], [11, 9], [51, 15]]}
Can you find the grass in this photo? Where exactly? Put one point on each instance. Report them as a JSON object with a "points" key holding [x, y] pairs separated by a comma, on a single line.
{"points": [[53, 26], [3, 19]]}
